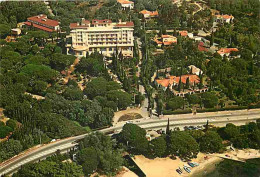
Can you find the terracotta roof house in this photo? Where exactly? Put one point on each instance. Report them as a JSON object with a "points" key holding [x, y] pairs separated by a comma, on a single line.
{"points": [[174, 81], [149, 14], [224, 18], [125, 4], [166, 40], [183, 33], [227, 51], [201, 47], [41, 22]]}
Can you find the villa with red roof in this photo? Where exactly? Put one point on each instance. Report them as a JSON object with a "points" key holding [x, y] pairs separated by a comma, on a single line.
{"points": [[149, 14], [226, 51], [172, 83], [175, 80], [166, 40], [224, 18], [41, 22], [201, 47], [125, 4], [183, 33]]}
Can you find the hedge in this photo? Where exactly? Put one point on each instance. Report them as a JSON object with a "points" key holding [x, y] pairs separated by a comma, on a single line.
{"points": [[170, 112], [186, 111]]}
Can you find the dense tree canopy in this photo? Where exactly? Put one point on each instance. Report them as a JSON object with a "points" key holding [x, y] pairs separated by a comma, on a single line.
{"points": [[50, 168], [210, 142], [134, 137], [158, 147], [183, 145], [99, 148]]}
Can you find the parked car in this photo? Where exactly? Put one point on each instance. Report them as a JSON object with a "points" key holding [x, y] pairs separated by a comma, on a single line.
{"points": [[196, 164], [178, 171], [191, 164], [187, 169]]}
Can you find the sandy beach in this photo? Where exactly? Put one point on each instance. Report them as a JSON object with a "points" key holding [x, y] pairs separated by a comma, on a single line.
{"points": [[166, 167], [126, 173]]}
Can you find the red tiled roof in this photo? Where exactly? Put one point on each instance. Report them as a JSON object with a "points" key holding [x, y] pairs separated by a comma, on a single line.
{"points": [[130, 24], [225, 16], [201, 47], [183, 33], [176, 79], [105, 21], [166, 36], [125, 2], [75, 25], [157, 41], [151, 13], [163, 82], [227, 50], [169, 42], [39, 27], [43, 20]]}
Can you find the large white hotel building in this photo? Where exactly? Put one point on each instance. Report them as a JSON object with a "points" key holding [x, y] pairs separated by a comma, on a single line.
{"points": [[102, 36]]}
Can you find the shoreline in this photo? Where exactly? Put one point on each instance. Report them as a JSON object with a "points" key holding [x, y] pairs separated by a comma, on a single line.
{"points": [[205, 168], [166, 167]]}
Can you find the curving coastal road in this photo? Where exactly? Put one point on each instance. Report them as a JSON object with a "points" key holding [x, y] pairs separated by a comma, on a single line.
{"points": [[217, 118]]}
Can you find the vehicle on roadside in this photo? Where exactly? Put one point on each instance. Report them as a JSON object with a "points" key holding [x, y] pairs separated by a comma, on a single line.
{"points": [[196, 164], [187, 169], [191, 164], [178, 171]]}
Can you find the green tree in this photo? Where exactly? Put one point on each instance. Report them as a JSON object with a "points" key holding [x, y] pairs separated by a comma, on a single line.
{"points": [[88, 158], [183, 145], [158, 147], [60, 61], [231, 131], [122, 99], [96, 87], [40, 72], [92, 65], [240, 141], [175, 103], [37, 60], [11, 123], [5, 131], [211, 142], [134, 137], [193, 99], [209, 99], [73, 93], [110, 159], [4, 30], [50, 168], [9, 148]]}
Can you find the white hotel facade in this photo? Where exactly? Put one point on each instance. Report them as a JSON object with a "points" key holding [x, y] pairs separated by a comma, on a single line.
{"points": [[101, 36]]}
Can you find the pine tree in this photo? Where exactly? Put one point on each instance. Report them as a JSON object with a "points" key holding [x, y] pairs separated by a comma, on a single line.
{"points": [[187, 82], [207, 126], [168, 128]]}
